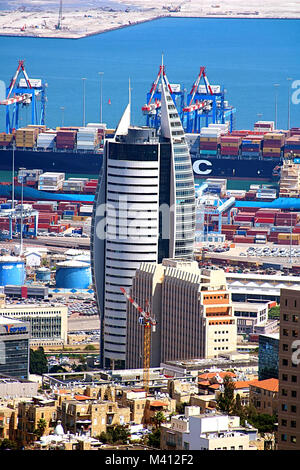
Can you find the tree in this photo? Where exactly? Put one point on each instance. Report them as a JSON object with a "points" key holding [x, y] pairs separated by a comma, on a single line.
{"points": [[38, 362], [118, 434], [7, 444], [41, 426], [158, 419], [154, 438], [226, 400]]}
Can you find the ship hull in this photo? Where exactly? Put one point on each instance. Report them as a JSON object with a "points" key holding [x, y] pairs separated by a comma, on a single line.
{"points": [[91, 163], [57, 161], [235, 168]]}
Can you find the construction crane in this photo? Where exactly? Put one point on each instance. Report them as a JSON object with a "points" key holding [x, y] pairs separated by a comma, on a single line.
{"points": [[25, 93], [59, 22], [149, 323]]}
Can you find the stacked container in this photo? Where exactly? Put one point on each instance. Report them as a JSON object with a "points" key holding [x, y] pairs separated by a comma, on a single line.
{"points": [[292, 144], [251, 145], [51, 181], [264, 126], [210, 138], [286, 218], [90, 187], [66, 139], [273, 143], [87, 138], [46, 140], [5, 139], [26, 137], [74, 184], [230, 145]]}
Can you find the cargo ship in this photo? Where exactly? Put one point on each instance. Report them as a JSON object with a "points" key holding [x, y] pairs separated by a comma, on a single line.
{"points": [[243, 154]]}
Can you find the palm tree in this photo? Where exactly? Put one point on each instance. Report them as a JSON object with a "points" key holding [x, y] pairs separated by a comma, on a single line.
{"points": [[41, 426], [158, 419]]}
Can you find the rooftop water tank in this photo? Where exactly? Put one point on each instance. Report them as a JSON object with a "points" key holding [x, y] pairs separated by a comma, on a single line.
{"points": [[73, 275], [12, 271]]}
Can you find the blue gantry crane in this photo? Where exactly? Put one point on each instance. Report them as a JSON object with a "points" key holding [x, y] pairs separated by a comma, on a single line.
{"points": [[152, 109], [24, 93], [206, 105]]}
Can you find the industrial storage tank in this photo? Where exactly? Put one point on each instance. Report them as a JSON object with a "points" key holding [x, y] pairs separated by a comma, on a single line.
{"points": [[12, 271], [43, 274], [73, 275]]}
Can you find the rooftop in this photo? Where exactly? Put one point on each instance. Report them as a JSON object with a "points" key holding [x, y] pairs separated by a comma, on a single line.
{"points": [[272, 385]]}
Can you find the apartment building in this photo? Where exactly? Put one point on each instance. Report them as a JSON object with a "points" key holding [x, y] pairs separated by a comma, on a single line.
{"points": [[264, 395], [84, 414], [289, 371], [192, 308], [30, 412], [209, 431], [143, 408]]}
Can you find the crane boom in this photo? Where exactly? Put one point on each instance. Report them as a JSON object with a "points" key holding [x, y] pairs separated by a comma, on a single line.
{"points": [[147, 322]]}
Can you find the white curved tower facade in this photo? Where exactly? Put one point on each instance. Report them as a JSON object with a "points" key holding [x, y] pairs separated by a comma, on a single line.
{"points": [[144, 211]]}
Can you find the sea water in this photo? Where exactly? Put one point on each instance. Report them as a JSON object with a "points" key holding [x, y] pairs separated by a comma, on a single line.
{"points": [[245, 56]]}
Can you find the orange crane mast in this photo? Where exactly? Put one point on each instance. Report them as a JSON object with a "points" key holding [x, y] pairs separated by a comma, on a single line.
{"points": [[149, 324]]}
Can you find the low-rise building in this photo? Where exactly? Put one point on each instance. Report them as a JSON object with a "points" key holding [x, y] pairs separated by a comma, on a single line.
{"points": [[249, 315], [264, 396], [209, 431], [85, 414]]}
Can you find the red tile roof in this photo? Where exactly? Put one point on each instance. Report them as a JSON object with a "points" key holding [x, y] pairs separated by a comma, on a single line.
{"points": [[158, 403], [272, 385], [210, 375]]}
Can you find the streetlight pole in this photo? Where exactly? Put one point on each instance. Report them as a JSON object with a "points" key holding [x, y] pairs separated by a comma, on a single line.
{"points": [[62, 115], [83, 111], [13, 178], [101, 102], [289, 103], [276, 85]]}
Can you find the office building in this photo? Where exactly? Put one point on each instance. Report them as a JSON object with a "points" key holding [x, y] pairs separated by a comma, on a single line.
{"points": [[249, 315], [144, 211], [289, 371], [268, 354], [192, 308], [48, 322], [14, 348]]}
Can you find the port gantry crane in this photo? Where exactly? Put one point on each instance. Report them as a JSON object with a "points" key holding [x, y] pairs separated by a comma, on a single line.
{"points": [[149, 323], [206, 104], [26, 92], [153, 106]]}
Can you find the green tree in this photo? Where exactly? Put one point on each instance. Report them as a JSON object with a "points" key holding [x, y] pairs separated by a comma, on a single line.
{"points": [[90, 347], [41, 426], [7, 444], [118, 434], [158, 419], [38, 363], [226, 400], [154, 438]]}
